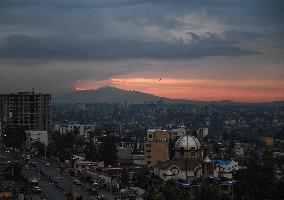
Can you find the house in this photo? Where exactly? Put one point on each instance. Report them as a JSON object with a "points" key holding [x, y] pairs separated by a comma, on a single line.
{"points": [[225, 168]]}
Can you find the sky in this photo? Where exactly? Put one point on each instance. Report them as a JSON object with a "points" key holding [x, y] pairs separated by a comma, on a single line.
{"points": [[186, 49]]}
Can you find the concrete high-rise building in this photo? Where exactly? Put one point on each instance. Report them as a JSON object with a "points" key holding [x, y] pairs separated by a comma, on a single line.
{"points": [[156, 148], [25, 109]]}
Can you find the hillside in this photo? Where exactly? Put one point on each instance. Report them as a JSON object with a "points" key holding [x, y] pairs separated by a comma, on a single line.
{"points": [[107, 95], [116, 95]]}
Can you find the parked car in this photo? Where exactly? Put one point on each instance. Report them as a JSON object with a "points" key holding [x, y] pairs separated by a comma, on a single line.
{"points": [[77, 182], [100, 196], [36, 189], [77, 197]]}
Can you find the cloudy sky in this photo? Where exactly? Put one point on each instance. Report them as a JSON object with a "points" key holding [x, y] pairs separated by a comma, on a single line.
{"points": [[192, 49]]}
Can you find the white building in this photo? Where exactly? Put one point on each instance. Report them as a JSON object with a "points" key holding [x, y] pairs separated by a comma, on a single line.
{"points": [[225, 168], [84, 129], [124, 153], [239, 149], [188, 147], [189, 163], [138, 159], [186, 165], [34, 136], [78, 158]]}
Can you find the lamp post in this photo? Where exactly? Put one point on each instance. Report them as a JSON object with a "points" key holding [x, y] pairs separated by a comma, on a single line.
{"points": [[44, 153]]}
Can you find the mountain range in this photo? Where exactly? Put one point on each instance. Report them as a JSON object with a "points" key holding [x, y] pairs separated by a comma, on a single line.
{"points": [[108, 95], [116, 95]]}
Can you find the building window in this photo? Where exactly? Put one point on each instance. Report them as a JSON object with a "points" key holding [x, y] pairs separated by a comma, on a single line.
{"points": [[148, 150], [150, 135], [149, 162], [148, 145], [149, 156]]}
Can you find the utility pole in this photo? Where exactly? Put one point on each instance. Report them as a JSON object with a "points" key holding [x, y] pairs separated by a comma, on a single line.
{"points": [[12, 170], [44, 152], [188, 132], [232, 192]]}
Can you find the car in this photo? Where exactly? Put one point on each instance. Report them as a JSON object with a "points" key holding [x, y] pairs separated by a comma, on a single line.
{"points": [[77, 197], [47, 164], [36, 189], [77, 182], [100, 196]]}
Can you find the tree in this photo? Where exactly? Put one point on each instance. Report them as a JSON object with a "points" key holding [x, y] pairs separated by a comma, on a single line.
{"points": [[40, 148], [107, 150], [142, 180], [257, 180], [167, 191], [15, 137], [124, 178], [91, 151], [172, 143]]}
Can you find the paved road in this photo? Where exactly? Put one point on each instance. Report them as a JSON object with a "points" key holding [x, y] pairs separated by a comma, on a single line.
{"points": [[66, 181], [49, 191]]}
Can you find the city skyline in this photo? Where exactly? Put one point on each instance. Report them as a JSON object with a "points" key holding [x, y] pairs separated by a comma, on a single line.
{"points": [[199, 50]]}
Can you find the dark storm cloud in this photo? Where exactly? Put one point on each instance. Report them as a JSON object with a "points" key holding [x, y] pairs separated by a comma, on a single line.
{"points": [[70, 22], [56, 48], [99, 39], [252, 11]]}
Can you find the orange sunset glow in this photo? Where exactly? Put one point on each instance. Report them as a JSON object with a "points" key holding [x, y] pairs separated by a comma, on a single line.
{"points": [[195, 89]]}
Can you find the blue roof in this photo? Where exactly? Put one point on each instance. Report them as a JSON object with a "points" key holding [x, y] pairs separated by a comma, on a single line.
{"points": [[223, 162]]}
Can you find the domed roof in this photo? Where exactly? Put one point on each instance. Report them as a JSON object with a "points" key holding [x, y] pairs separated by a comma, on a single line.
{"points": [[187, 142], [207, 159]]}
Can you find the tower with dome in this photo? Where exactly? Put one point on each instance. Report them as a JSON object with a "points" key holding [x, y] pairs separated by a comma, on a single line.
{"points": [[188, 147], [187, 161], [189, 164]]}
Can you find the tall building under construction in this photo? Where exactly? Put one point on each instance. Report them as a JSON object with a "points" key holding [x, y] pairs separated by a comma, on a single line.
{"points": [[27, 110]]}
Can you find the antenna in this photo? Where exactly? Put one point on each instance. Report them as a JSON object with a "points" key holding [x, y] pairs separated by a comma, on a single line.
{"points": [[188, 132]]}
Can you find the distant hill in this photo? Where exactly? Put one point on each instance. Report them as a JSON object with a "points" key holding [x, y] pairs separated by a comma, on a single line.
{"points": [[108, 95], [116, 95]]}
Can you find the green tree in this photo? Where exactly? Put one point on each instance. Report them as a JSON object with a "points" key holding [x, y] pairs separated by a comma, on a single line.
{"points": [[15, 137], [91, 151], [107, 150], [172, 143], [257, 180], [141, 180], [124, 178]]}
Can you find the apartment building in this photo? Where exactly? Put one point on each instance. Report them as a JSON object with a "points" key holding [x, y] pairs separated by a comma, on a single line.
{"points": [[156, 148], [25, 109]]}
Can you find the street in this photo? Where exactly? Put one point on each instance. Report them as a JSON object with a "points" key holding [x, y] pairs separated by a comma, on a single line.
{"points": [[65, 181], [49, 191]]}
